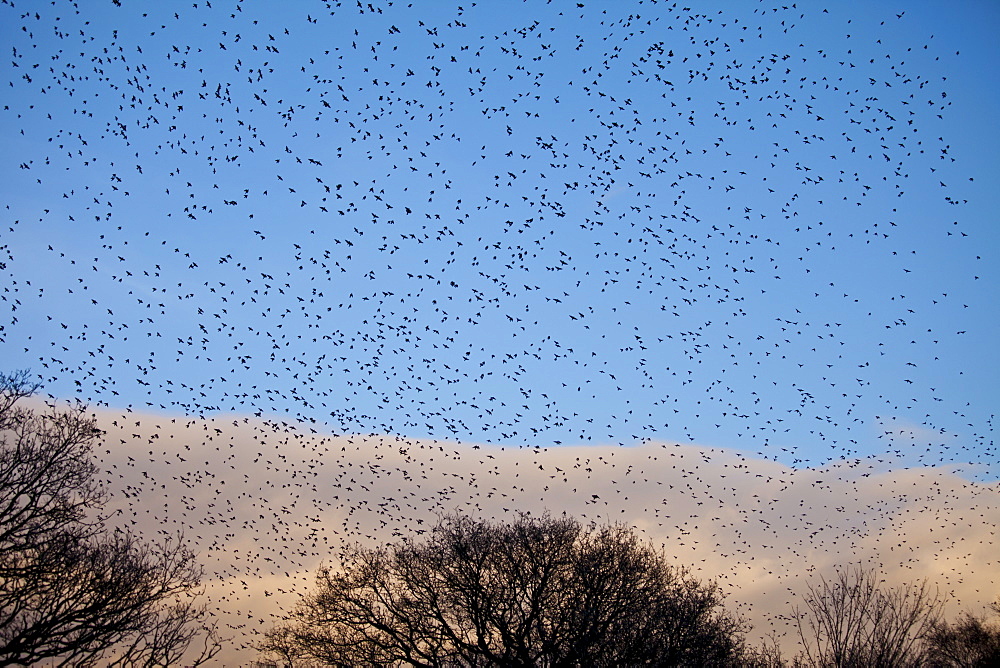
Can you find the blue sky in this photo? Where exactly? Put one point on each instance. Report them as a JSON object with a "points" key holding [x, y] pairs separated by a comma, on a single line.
{"points": [[532, 226]]}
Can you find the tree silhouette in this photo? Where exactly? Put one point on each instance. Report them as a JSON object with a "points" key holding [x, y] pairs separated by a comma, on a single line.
{"points": [[852, 621], [73, 591], [539, 591], [970, 642]]}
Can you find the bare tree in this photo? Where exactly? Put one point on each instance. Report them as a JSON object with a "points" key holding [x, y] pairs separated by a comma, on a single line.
{"points": [[971, 642], [282, 647], [852, 621], [540, 591], [72, 591]]}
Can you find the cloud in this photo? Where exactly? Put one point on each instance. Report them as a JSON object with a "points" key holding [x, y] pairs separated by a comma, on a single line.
{"points": [[265, 503]]}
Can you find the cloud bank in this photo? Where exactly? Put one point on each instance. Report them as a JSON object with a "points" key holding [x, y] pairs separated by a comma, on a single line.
{"points": [[264, 503]]}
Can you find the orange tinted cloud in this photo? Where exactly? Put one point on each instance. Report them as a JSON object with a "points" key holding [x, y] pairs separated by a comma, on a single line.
{"points": [[265, 503]]}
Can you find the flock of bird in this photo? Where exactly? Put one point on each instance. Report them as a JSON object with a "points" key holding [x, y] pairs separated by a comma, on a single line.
{"points": [[326, 269]]}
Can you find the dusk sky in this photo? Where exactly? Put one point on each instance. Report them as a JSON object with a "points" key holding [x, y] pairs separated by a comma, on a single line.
{"points": [[746, 250]]}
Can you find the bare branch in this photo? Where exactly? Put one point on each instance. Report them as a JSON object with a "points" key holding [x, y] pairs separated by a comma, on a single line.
{"points": [[71, 591], [853, 621], [536, 592], [970, 642]]}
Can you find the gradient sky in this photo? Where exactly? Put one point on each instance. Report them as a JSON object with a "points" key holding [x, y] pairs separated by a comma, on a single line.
{"points": [[757, 228]]}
